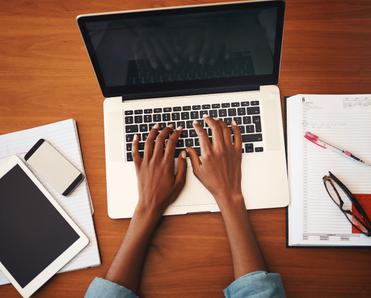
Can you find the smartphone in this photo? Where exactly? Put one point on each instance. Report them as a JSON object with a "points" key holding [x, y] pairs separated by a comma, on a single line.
{"points": [[53, 167]]}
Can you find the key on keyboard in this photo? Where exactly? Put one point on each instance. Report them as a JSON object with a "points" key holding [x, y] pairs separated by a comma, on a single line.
{"points": [[246, 113]]}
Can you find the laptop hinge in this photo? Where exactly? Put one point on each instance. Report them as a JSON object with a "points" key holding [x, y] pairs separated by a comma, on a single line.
{"points": [[183, 92]]}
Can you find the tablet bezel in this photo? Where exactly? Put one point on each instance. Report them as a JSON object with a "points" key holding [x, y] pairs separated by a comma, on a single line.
{"points": [[62, 259]]}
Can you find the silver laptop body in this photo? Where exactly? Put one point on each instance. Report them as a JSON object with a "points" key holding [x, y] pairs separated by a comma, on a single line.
{"points": [[172, 65]]}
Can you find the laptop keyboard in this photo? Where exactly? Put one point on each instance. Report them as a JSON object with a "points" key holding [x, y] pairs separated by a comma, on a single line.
{"points": [[245, 113]]}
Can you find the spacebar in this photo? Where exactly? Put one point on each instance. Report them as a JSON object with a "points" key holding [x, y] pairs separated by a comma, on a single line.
{"points": [[252, 138]]}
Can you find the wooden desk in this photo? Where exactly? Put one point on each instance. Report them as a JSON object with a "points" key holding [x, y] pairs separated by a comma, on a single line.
{"points": [[46, 76]]}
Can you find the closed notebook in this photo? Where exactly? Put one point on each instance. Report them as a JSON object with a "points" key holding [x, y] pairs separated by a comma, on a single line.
{"points": [[63, 136]]}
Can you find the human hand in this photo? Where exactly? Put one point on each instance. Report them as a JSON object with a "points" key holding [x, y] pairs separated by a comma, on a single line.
{"points": [[166, 48], [157, 183], [219, 167], [206, 43], [157, 46], [219, 170], [158, 188]]}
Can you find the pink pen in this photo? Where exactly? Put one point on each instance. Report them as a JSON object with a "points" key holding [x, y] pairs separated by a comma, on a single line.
{"points": [[316, 140]]}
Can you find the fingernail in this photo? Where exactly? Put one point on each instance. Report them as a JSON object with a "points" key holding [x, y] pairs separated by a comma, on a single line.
{"points": [[155, 126], [183, 154], [179, 128], [205, 115], [186, 149], [215, 118], [234, 123], [135, 137], [171, 125], [195, 122]]}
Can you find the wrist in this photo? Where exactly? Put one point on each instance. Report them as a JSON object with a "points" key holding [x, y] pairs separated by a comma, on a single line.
{"points": [[147, 213], [231, 201]]}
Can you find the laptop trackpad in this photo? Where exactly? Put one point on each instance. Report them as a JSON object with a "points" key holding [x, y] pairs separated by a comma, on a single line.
{"points": [[113, 136], [193, 193], [272, 124]]}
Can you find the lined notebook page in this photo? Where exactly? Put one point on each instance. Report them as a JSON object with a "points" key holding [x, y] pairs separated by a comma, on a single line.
{"points": [[64, 137], [343, 121]]}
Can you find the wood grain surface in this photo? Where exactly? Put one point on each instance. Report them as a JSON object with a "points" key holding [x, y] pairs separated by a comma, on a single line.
{"points": [[45, 76]]}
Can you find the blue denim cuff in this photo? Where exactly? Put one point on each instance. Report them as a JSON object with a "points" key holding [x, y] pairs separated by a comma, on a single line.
{"points": [[259, 284], [102, 288]]}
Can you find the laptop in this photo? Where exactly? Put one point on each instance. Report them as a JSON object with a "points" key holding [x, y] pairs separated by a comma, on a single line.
{"points": [[173, 65]]}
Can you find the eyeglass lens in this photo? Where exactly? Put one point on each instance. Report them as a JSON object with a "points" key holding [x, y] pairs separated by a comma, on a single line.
{"points": [[356, 223], [341, 199], [338, 195]]}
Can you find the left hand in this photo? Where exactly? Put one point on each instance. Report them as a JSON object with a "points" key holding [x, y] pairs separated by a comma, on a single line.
{"points": [[219, 168], [157, 183]]}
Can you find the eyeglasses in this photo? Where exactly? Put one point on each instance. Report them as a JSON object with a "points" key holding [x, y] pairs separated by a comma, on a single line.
{"points": [[340, 193]]}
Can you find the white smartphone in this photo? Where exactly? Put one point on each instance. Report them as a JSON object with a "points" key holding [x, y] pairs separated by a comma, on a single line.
{"points": [[57, 171]]}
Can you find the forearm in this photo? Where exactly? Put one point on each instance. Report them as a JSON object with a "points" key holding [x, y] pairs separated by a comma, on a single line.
{"points": [[126, 268], [245, 251]]}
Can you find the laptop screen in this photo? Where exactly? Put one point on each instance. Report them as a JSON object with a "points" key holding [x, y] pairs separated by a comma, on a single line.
{"points": [[195, 48]]}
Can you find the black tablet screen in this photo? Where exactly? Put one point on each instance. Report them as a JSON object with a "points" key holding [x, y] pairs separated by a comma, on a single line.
{"points": [[32, 232]]}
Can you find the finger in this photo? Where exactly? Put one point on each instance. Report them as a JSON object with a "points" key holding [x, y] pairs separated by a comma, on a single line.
{"points": [[171, 143], [226, 133], [160, 52], [203, 137], [195, 160], [237, 136], [217, 133], [168, 45], [192, 50], [150, 53], [181, 172], [148, 148], [206, 47], [225, 44], [136, 156], [158, 151], [215, 51], [137, 49]]}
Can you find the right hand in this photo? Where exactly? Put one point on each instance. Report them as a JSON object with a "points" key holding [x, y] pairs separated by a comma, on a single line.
{"points": [[219, 167]]}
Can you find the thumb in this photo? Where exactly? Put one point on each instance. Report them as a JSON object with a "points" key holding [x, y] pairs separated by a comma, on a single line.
{"points": [[195, 160], [182, 171]]}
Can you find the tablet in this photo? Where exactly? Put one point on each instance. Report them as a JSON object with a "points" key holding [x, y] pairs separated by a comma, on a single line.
{"points": [[37, 237]]}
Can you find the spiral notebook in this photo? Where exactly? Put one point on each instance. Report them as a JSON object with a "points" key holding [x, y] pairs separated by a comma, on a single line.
{"points": [[344, 121], [63, 136]]}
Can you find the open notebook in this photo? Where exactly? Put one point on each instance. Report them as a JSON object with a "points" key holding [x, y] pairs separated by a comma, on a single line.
{"points": [[64, 137], [341, 120]]}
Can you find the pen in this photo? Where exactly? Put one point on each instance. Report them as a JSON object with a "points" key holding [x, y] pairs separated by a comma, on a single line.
{"points": [[316, 140]]}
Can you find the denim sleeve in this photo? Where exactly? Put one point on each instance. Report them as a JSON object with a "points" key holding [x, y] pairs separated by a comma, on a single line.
{"points": [[101, 288], [259, 284]]}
